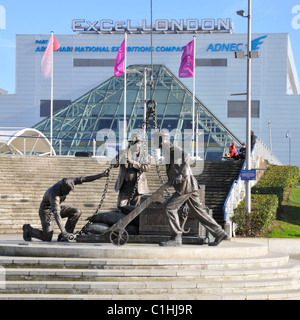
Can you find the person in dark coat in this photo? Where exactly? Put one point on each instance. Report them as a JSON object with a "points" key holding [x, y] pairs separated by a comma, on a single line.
{"points": [[186, 192], [242, 152], [51, 210], [253, 139]]}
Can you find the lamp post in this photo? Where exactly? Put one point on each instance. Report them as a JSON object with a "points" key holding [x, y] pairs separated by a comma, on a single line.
{"points": [[248, 124], [289, 136], [270, 135]]}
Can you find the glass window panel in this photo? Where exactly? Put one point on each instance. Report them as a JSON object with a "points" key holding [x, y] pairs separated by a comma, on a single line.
{"points": [[176, 96], [173, 109], [108, 109], [97, 96], [116, 83], [120, 110], [103, 124], [188, 99], [187, 123], [113, 96], [93, 110], [56, 124], [160, 108], [161, 96], [169, 124], [76, 110], [131, 96], [129, 107]]}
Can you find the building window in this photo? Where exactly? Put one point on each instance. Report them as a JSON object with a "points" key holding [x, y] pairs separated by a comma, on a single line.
{"points": [[94, 62], [211, 62], [57, 105], [238, 109]]}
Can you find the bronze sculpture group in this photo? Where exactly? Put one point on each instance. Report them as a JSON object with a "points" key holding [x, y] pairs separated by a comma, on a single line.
{"points": [[131, 185]]}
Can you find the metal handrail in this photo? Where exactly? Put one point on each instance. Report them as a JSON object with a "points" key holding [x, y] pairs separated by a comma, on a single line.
{"points": [[237, 190]]}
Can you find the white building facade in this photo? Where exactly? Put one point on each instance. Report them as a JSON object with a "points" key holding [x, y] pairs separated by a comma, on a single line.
{"points": [[87, 59]]}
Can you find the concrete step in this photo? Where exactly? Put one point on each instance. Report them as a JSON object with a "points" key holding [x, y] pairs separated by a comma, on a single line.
{"points": [[154, 274], [144, 287], [271, 260], [226, 249], [232, 271], [282, 295]]}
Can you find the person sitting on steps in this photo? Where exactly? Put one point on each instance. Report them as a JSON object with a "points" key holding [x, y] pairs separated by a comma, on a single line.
{"points": [[234, 154]]}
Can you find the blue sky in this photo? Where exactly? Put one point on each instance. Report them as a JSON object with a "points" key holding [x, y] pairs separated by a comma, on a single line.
{"points": [[40, 17]]}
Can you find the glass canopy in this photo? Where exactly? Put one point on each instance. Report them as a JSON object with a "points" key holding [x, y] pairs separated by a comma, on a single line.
{"points": [[75, 127]]}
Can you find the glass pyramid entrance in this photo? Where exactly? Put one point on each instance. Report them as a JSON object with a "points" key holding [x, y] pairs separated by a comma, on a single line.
{"points": [[75, 127]]}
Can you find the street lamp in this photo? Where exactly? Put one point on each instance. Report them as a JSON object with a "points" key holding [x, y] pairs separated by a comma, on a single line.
{"points": [[289, 136], [248, 125], [241, 13], [270, 135]]}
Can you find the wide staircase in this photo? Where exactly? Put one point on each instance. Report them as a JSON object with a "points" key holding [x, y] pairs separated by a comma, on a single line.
{"points": [[23, 181], [218, 177]]}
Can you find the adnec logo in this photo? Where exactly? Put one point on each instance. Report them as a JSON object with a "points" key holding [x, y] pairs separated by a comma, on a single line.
{"points": [[232, 47]]}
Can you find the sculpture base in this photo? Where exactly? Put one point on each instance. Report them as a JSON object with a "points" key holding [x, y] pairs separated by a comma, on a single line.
{"points": [[153, 239], [226, 250]]}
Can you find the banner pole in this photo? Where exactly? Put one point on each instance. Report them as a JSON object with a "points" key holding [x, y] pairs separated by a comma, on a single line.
{"points": [[125, 95], [194, 89], [51, 99]]}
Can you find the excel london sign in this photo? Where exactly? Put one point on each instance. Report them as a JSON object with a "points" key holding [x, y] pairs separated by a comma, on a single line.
{"points": [[160, 25]]}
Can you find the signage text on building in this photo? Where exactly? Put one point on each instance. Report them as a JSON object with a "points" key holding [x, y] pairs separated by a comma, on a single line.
{"points": [[160, 25], [163, 48], [255, 45]]}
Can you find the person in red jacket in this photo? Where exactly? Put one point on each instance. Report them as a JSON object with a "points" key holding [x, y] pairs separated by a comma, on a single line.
{"points": [[233, 151]]}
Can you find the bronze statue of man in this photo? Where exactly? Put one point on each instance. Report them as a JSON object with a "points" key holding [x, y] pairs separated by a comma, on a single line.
{"points": [[186, 192], [51, 210], [132, 181]]}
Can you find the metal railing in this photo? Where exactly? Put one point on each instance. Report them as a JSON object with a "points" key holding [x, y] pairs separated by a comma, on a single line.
{"points": [[237, 192]]}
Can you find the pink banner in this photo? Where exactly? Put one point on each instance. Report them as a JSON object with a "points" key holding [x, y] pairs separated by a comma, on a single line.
{"points": [[46, 63], [119, 66], [186, 69]]}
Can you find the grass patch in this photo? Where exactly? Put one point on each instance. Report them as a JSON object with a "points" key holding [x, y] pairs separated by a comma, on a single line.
{"points": [[288, 223], [285, 230], [294, 197]]}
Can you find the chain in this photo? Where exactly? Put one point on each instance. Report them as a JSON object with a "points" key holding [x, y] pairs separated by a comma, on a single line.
{"points": [[105, 189], [103, 194], [152, 110], [134, 191]]}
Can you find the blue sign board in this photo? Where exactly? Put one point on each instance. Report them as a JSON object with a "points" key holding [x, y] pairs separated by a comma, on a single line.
{"points": [[248, 175]]}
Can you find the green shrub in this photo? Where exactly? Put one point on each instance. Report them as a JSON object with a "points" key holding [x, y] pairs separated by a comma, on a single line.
{"points": [[259, 221], [277, 180]]}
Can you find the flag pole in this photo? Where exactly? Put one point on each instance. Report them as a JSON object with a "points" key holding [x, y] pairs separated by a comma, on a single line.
{"points": [[125, 95], [194, 89], [51, 99]]}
